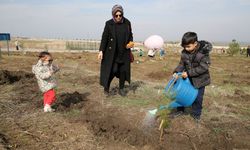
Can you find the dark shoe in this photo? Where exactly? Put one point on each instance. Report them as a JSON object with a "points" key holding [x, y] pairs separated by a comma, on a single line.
{"points": [[196, 118], [106, 91], [122, 92], [177, 114]]}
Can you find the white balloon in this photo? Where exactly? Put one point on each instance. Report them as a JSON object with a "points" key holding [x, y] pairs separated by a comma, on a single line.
{"points": [[154, 42]]}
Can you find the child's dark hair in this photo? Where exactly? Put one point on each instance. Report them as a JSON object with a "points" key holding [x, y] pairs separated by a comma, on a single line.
{"points": [[189, 38], [43, 54]]}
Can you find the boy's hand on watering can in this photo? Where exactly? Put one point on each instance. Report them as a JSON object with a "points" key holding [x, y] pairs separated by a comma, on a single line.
{"points": [[184, 75], [175, 75]]}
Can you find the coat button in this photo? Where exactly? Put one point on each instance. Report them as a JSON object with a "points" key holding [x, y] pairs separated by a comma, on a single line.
{"points": [[110, 48], [111, 39]]}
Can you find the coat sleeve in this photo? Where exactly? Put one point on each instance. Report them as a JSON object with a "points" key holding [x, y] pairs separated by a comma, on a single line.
{"points": [[104, 40], [55, 68], [180, 67], [42, 75], [202, 68], [130, 33], [45, 76]]}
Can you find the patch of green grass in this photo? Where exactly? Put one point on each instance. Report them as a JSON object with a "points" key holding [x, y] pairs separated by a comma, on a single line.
{"points": [[246, 89], [126, 101], [204, 110], [72, 113], [244, 117], [218, 91], [218, 130], [145, 96], [164, 115]]}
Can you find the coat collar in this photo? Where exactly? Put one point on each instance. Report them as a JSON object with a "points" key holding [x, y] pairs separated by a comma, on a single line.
{"points": [[112, 22]]}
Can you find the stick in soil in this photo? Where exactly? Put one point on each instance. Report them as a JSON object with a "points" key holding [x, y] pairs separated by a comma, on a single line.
{"points": [[161, 129], [162, 121]]}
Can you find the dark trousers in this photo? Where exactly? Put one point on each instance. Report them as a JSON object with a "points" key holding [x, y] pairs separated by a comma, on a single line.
{"points": [[117, 70], [197, 105], [248, 53]]}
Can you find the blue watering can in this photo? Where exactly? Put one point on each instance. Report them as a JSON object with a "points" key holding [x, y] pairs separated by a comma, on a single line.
{"points": [[181, 91]]}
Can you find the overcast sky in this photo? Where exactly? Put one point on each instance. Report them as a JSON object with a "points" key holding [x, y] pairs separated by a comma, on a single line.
{"points": [[213, 20]]}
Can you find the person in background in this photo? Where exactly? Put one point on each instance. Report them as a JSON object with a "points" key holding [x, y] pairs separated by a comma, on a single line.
{"points": [[141, 52], [151, 53], [162, 53], [17, 45], [248, 51]]}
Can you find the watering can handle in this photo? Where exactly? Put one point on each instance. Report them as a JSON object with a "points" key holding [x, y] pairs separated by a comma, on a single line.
{"points": [[179, 73], [185, 79], [173, 80]]}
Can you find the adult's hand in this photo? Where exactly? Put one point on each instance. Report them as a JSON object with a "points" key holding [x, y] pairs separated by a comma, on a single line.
{"points": [[130, 45], [100, 55]]}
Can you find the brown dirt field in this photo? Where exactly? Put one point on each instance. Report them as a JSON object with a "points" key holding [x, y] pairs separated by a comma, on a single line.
{"points": [[86, 119]]}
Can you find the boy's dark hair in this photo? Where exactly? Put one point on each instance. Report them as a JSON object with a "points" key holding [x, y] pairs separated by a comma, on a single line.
{"points": [[189, 38], [43, 54]]}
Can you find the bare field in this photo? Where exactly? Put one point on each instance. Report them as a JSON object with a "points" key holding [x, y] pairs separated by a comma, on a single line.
{"points": [[86, 119]]}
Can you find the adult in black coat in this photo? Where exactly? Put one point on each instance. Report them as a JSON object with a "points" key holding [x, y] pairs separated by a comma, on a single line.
{"points": [[114, 51]]}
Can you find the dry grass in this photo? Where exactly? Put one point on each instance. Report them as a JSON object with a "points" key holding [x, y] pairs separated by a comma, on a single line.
{"points": [[225, 120]]}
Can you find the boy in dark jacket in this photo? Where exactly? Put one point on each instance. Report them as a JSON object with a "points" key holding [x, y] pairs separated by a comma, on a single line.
{"points": [[194, 64]]}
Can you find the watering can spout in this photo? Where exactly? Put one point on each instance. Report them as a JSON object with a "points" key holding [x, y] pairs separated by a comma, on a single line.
{"points": [[174, 104], [154, 111]]}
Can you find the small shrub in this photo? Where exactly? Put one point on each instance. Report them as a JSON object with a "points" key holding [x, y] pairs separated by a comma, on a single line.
{"points": [[234, 48]]}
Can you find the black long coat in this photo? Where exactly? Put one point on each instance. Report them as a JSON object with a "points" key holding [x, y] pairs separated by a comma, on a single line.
{"points": [[108, 47]]}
